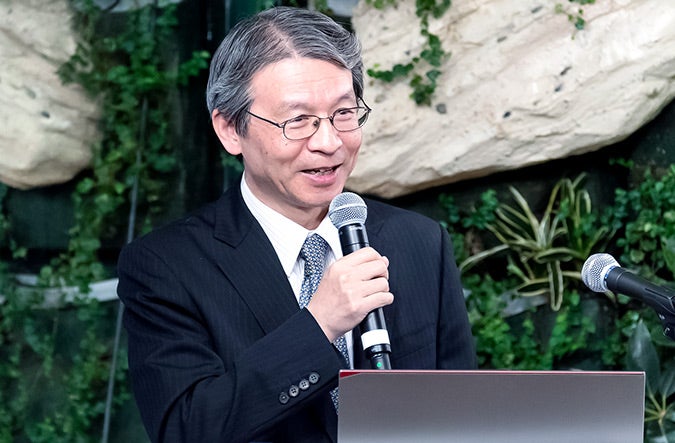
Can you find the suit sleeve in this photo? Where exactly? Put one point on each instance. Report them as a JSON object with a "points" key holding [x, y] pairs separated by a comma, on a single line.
{"points": [[188, 392]]}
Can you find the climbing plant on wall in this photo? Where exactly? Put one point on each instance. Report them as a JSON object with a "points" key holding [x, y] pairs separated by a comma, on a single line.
{"points": [[132, 73], [429, 59], [423, 70]]}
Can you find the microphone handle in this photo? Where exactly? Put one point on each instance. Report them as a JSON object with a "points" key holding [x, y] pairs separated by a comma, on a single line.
{"points": [[353, 237], [622, 281], [373, 328]]}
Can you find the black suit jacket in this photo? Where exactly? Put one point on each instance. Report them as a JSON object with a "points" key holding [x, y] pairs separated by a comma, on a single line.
{"points": [[217, 341]]}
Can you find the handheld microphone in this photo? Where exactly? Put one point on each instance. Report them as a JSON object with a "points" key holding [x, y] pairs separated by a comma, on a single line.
{"points": [[348, 213], [601, 272]]}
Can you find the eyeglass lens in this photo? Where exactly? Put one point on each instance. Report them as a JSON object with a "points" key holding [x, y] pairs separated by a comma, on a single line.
{"points": [[344, 120]]}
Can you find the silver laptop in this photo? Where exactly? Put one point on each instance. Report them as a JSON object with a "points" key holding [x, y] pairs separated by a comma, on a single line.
{"points": [[491, 406]]}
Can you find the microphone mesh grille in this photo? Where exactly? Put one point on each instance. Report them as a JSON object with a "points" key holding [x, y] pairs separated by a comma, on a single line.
{"points": [[595, 270], [346, 209]]}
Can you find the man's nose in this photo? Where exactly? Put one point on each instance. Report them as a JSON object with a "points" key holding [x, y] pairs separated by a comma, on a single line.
{"points": [[326, 138]]}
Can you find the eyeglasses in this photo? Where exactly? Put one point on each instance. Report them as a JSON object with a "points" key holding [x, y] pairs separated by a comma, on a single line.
{"points": [[305, 126]]}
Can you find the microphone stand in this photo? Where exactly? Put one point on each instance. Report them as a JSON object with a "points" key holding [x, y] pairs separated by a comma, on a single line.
{"points": [[668, 321], [660, 299]]}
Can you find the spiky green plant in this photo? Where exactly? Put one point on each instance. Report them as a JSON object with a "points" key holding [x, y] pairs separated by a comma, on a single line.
{"points": [[545, 253]]}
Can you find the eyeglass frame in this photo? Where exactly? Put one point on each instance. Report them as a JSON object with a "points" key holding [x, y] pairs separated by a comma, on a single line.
{"points": [[330, 118]]}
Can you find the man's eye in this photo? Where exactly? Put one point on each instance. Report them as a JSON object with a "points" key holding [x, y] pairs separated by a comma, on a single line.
{"points": [[299, 121], [344, 113]]}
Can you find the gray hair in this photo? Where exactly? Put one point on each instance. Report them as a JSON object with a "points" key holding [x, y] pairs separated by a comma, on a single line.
{"points": [[268, 37]]}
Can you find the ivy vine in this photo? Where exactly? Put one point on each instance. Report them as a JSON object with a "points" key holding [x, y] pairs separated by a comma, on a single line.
{"points": [[575, 17], [129, 76], [126, 73], [424, 83]]}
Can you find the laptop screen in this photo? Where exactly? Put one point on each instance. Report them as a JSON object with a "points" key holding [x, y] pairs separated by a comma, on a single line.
{"points": [[491, 406]]}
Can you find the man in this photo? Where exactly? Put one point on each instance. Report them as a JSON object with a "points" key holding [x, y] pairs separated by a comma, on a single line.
{"points": [[219, 348]]}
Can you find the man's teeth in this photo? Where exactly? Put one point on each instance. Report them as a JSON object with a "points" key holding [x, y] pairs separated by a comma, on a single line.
{"points": [[321, 171]]}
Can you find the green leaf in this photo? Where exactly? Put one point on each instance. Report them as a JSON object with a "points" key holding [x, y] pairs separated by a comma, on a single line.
{"points": [[397, 71], [477, 258], [667, 382], [642, 356], [668, 249]]}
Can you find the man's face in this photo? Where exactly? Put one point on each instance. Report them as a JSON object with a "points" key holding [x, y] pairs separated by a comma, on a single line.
{"points": [[298, 178]]}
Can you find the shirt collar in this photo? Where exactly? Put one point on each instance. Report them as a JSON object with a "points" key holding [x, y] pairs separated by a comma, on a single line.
{"points": [[286, 235]]}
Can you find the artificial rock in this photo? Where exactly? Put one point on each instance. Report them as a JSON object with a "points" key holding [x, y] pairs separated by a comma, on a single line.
{"points": [[521, 86], [47, 128]]}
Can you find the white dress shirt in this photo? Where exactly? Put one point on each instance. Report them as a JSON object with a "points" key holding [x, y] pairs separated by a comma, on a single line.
{"points": [[287, 238]]}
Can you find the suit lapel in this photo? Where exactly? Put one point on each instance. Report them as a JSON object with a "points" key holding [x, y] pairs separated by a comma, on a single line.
{"points": [[251, 264]]}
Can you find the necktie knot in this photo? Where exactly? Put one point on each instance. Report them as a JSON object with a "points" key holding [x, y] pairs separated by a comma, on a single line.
{"points": [[313, 251]]}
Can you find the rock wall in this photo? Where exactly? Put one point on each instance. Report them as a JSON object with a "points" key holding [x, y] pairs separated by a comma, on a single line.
{"points": [[47, 129], [521, 86]]}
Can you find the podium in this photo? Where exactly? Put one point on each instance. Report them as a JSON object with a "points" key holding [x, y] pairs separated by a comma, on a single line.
{"points": [[491, 406]]}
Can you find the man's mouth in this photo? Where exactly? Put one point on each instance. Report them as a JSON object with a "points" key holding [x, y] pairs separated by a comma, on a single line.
{"points": [[320, 171]]}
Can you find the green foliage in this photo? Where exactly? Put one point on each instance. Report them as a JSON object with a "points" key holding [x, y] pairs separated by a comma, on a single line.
{"points": [[231, 162], [588, 330], [425, 8], [495, 342], [396, 71], [659, 408], [18, 337], [645, 216], [545, 253], [424, 67], [6, 239], [575, 17], [465, 226], [644, 355], [319, 5], [381, 4], [516, 342], [127, 74]]}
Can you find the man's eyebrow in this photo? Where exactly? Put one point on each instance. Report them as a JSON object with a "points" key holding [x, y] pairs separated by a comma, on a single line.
{"points": [[290, 106]]}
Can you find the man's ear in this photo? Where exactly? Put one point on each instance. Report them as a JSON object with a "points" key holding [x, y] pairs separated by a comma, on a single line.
{"points": [[226, 133]]}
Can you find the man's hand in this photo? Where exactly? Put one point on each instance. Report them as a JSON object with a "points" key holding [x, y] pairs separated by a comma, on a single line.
{"points": [[350, 288]]}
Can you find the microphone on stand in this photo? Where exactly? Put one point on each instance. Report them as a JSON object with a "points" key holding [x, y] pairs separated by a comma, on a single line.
{"points": [[602, 273], [348, 213]]}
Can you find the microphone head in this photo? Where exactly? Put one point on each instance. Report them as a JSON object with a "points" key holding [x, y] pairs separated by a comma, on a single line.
{"points": [[347, 209], [595, 271]]}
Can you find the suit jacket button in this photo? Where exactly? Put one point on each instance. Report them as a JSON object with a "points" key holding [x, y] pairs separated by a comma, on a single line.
{"points": [[304, 384], [293, 391], [283, 398], [314, 378]]}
